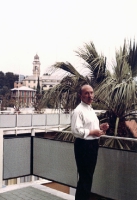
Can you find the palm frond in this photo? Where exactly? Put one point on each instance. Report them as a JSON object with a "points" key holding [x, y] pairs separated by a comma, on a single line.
{"points": [[118, 97], [96, 63], [63, 136], [122, 70], [66, 67], [118, 144], [65, 94], [132, 58]]}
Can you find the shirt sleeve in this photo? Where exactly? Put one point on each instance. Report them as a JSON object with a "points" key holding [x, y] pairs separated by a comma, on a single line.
{"points": [[77, 126]]}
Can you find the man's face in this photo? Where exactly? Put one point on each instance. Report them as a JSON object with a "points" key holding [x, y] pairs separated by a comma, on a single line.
{"points": [[87, 94]]}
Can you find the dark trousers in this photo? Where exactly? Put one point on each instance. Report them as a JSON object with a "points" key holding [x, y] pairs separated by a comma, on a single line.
{"points": [[86, 152]]}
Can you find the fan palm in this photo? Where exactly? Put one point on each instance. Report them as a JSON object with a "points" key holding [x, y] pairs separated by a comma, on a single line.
{"points": [[117, 91], [65, 93]]}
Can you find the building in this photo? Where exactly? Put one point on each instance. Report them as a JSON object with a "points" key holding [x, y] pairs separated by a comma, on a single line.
{"points": [[20, 82], [24, 96], [49, 81], [32, 81], [46, 81]]}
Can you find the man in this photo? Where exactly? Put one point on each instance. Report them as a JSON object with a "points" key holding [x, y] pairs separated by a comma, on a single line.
{"points": [[85, 127]]}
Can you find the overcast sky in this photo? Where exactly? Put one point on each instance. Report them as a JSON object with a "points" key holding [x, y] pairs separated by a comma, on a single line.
{"points": [[55, 29]]}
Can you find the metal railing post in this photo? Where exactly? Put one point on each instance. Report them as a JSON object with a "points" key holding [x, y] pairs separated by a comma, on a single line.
{"points": [[32, 135], [1, 157]]}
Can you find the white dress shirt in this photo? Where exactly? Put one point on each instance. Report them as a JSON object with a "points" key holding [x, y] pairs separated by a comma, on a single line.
{"points": [[83, 120]]}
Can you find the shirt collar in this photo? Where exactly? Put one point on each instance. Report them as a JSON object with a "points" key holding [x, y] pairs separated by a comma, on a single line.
{"points": [[89, 107]]}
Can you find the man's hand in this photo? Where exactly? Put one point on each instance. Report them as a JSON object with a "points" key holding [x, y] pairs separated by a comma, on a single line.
{"points": [[97, 133], [104, 126]]}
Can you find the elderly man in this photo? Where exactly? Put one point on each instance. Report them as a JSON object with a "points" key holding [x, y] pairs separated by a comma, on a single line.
{"points": [[85, 127]]}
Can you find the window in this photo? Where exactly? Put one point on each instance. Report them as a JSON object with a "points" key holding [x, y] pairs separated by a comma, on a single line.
{"points": [[36, 68]]}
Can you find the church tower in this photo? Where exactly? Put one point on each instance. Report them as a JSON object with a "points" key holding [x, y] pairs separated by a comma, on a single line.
{"points": [[36, 66]]}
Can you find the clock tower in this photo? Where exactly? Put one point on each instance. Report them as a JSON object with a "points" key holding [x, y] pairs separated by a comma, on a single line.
{"points": [[36, 66]]}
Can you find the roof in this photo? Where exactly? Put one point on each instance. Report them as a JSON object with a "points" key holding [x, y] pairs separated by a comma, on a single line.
{"points": [[35, 78], [36, 57], [52, 77], [23, 88]]}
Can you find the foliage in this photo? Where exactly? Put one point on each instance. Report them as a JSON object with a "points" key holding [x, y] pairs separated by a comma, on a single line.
{"points": [[38, 97], [65, 94], [94, 62], [65, 136], [6, 83], [38, 87], [2, 79], [114, 91]]}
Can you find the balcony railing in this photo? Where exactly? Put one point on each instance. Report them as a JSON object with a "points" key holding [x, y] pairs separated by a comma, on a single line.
{"points": [[27, 154], [33, 120]]}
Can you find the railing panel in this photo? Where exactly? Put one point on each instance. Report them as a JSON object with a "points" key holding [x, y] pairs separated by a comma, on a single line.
{"points": [[54, 160], [116, 174], [52, 119], [28, 120], [64, 119], [7, 121], [24, 120], [38, 120], [16, 157]]}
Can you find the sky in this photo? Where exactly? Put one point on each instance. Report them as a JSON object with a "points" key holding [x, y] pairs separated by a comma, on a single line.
{"points": [[55, 29]]}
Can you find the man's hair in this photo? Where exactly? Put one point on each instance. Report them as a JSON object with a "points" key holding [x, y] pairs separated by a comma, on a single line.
{"points": [[80, 90]]}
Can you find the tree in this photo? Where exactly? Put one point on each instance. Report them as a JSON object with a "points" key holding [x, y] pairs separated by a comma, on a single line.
{"points": [[37, 97], [6, 83], [117, 90], [65, 93], [38, 87], [10, 78], [2, 81], [5, 90]]}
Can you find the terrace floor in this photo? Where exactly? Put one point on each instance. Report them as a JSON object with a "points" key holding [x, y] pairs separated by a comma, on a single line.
{"points": [[32, 192]]}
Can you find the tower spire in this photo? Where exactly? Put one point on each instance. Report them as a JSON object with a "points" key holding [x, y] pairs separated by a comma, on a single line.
{"points": [[36, 66]]}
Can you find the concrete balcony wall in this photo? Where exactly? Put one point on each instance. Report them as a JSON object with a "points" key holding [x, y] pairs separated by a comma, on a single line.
{"points": [[24, 120], [38, 120], [52, 119], [64, 119], [8, 121], [28, 120]]}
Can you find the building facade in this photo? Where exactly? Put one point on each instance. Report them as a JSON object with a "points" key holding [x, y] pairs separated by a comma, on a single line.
{"points": [[49, 81], [46, 81], [24, 96]]}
